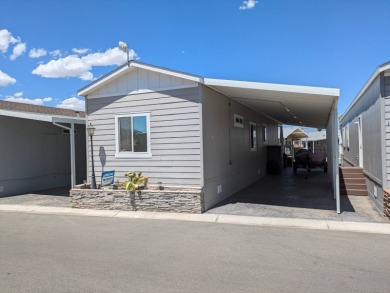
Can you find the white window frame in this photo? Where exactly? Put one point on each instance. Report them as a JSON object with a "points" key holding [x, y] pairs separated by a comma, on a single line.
{"points": [[347, 135], [264, 134], [118, 154], [252, 149], [236, 124]]}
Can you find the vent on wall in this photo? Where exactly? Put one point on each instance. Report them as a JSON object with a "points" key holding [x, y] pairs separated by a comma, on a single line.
{"points": [[238, 121], [66, 131]]}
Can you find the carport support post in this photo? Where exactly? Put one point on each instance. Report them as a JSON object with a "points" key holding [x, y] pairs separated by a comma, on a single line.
{"points": [[72, 156], [72, 152]]}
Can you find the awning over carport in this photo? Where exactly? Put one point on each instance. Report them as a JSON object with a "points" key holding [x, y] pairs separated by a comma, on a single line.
{"points": [[292, 105], [51, 115]]}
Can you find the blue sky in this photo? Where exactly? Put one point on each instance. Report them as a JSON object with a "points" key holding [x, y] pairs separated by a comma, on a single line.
{"points": [[326, 43]]}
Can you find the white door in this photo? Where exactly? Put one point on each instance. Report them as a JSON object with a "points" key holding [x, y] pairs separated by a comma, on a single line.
{"points": [[360, 138]]}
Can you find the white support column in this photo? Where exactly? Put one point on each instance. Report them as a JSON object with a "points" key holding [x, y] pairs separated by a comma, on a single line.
{"points": [[72, 156], [335, 153], [72, 152]]}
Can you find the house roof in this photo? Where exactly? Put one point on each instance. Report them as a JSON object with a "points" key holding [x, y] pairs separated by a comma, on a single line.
{"points": [[121, 70], [285, 104], [294, 133], [385, 67], [317, 135], [41, 113]]}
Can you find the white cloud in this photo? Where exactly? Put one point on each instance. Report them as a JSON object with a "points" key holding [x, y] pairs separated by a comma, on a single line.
{"points": [[6, 39], [70, 66], [18, 98], [18, 50], [72, 103], [80, 51], [248, 4], [36, 53], [75, 66], [114, 56], [5, 79], [56, 53]]}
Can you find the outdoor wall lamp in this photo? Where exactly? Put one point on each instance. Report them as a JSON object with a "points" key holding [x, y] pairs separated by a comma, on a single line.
{"points": [[91, 132]]}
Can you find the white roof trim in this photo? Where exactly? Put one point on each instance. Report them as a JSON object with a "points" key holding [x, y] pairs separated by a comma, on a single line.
{"points": [[378, 70], [42, 117], [167, 71], [273, 87], [99, 83], [133, 64]]}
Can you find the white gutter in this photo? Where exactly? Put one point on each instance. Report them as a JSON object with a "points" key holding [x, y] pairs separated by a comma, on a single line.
{"points": [[273, 87]]}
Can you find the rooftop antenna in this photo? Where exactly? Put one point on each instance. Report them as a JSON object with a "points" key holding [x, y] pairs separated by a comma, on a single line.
{"points": [[123, 46]]}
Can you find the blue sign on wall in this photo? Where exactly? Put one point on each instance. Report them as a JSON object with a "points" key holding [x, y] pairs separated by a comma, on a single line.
{"points": [[108, 178]]}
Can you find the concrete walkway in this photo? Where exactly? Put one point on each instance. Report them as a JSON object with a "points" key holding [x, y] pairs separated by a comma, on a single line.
{"points": [[380, 228], [298, 196]]}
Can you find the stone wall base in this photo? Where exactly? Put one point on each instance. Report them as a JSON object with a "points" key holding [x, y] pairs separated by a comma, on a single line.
{"points": [[386, 203], [173, 199]]}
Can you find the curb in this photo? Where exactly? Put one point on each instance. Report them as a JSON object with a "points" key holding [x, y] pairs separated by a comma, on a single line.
{"points": [[362, 227]]}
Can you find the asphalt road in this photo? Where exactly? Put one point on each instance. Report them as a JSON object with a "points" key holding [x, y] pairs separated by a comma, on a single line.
{"points": [[54, 253]]}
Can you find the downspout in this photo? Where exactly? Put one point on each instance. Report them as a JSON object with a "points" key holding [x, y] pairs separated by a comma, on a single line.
{"points": [[72, 152]]}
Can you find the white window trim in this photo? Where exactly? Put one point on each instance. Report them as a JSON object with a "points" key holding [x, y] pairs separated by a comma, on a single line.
{"points": [[250, 137], [133, 155], [347, 135]]}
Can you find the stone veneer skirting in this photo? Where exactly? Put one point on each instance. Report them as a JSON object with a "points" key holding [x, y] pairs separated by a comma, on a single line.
{"points": [[170, 199], [386, 203]]}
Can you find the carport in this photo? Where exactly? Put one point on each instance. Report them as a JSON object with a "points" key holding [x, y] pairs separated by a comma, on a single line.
{"points": [[292, 105]]}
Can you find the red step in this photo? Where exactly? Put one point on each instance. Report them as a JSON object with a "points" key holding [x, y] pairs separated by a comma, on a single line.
{"points": [[352, 181], [357, 192]]}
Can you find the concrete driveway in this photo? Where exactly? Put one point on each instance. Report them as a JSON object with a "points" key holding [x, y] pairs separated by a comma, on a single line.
{"points": [[55, 197], [297, 196]]}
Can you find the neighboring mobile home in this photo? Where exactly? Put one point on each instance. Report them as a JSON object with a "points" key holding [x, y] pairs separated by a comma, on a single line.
{"points": [[316, 141], [185, 130], [365, 130], [36, 148]]}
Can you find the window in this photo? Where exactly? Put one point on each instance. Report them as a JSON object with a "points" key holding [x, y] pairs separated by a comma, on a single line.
{"points": [[280, 134], [253, 136], [347, 136], [238, 121], [133, 136], [265, 133]]}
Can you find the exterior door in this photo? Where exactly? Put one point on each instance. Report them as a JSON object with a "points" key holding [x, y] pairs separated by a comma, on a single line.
{"points": [[360, 142]]}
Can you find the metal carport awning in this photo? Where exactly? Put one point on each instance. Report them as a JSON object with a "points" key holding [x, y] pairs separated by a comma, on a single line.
{"points": [[292, 105], [57, 121]]}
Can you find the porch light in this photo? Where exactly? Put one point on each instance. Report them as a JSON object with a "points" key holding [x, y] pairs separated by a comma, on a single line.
{"points": [[91, 132]]}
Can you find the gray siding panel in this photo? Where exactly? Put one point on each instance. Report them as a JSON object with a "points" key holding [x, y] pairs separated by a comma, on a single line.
{"points": [[174, 131], [387, 86], [369, 107], [222, 142]]}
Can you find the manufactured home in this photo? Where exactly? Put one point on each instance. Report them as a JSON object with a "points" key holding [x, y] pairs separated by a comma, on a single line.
{"points": [[40, 148], [365, 131], [185, 130]]}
